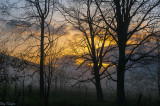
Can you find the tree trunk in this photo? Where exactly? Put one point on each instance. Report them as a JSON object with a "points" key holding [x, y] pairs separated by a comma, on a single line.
{"points": [[158, 73], [121, 99], [159, 82], [47, 92], [98, 88], [42, 60], [5, 85], [15, 90], [4, 92], [99, 92], [23, 92]]}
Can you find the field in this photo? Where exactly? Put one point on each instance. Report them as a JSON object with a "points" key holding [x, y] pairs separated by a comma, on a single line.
{"points": [[73, 97]]}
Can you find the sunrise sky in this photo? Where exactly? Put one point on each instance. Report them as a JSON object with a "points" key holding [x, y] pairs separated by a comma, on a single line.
{"points": [[26, 39]]}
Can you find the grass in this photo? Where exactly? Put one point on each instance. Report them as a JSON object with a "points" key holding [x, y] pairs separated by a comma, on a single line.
{"points": [[75, 97]]}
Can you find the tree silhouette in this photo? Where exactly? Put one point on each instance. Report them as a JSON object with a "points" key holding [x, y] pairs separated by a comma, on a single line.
{"points": [[94, 44], [43, 7], [129, 20]]}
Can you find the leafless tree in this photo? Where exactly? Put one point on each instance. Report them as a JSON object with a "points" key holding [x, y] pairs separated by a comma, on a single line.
{"points": [[158, 68], [43, 9], [92, 44], [54, 64], [131, 23], [4, 77], [21, 67]]}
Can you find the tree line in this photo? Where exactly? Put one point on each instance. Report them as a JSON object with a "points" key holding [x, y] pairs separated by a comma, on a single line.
{"points": [[115, 36]]}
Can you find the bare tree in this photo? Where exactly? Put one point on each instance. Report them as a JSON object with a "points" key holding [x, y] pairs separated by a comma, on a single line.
{"points": [[92, 44], [21, 67], [158, 69], [43, 9], [131, 24], [54, 64], [4, 77]]}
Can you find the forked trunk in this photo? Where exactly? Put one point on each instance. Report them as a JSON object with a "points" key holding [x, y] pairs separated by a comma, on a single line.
{"points": [[99, 92], [98, 88]]}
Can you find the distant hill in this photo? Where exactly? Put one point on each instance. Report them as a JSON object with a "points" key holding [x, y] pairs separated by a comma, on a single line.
{"points": [[13, 67]]}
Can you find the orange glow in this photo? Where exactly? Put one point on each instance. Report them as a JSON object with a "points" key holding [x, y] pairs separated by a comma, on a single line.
{"points": [[73, 43], [80, 61]]}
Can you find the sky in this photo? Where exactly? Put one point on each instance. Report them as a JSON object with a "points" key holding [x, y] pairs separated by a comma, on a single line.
{"points": [[66, 34], [17, 35]]}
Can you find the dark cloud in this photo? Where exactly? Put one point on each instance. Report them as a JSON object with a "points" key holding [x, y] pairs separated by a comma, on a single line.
{"points": [[61, 30], [14, 23], [17, 24]]}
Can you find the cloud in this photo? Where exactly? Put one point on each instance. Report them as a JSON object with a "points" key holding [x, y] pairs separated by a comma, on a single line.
{"points": [[14, 23], [61, 30], [17, 24]]}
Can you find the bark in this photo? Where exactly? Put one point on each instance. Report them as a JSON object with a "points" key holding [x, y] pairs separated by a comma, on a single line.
{"points": [[4, 92], [159, 81], [42, 60], [23, 92], [99, 91], [15, 90], [158, 73], [5, 85], [158, 70], [47, 93], [121, 99]]}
